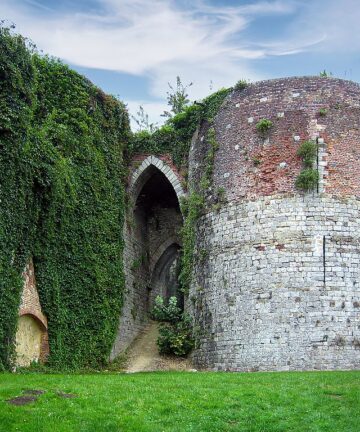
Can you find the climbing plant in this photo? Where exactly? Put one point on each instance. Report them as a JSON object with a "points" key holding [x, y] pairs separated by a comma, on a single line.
{"points": [[17, 204], [62, 202], [193, 207]]}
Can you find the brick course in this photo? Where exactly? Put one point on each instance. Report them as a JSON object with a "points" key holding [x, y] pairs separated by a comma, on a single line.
{"points": [[293, 105]]}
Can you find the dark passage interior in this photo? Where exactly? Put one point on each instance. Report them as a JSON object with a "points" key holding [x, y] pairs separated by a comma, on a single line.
{"points": [[158, 221]]}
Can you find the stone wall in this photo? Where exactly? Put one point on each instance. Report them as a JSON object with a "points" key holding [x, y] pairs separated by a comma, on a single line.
{"points": [[280, 287], [164, 244], [276, 277], [134, 311], [139, 264]]}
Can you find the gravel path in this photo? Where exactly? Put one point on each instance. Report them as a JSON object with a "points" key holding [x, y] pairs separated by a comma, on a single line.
{"points": [[143, 355]]}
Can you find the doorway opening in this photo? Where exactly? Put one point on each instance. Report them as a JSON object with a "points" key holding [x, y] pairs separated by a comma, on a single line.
{"points": [[158, 222]]}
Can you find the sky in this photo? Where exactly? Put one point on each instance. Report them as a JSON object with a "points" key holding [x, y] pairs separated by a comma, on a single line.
{"points": [[134, 48]]}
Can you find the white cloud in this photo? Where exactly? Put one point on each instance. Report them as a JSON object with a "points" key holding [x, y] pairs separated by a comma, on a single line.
{"points": [[335, 22], [129, 36], [140, 36], [162, 38]]}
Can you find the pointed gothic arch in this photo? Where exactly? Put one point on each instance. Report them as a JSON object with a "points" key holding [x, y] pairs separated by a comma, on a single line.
{"points": [[141, 175]]}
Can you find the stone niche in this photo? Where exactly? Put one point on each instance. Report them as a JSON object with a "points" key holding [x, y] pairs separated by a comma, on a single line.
{"points": [[28, 340], [32, 335]]}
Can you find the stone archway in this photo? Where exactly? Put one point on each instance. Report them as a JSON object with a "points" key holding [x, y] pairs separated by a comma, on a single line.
{"points": [[157, 222], [152, 226], [141, 175]]}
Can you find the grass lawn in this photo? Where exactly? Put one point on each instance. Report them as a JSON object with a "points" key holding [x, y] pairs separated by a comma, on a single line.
{"points": [[179, 401]]}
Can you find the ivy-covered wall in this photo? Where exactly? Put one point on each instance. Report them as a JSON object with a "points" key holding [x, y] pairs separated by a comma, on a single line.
{"points": [[62, 202]]}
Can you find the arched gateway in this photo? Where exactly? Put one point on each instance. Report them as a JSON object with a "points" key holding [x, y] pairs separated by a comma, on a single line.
{"points": [[152, 243]]}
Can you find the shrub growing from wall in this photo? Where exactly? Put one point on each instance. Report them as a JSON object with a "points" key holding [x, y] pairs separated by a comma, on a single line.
{"points": [[175, 136]]}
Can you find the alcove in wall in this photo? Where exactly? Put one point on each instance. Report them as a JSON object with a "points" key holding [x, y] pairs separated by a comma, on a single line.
{"points": [[31, 340]]}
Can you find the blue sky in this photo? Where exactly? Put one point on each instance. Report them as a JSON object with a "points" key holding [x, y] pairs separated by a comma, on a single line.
{"points": [[133, 48]]}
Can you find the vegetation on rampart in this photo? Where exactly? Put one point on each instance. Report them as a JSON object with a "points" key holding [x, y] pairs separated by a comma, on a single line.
{"points": [[62, 203]]}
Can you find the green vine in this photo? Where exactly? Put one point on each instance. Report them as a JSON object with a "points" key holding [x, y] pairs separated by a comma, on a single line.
{"points": [[62, 202], [17, 206], [192, 210], [206, 178]]}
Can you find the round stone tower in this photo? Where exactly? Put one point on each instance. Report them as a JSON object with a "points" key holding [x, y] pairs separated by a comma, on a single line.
{"points": [[276, 283]]}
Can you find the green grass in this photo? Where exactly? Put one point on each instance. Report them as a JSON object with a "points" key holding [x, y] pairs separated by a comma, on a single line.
{"points": [[175, 401]]}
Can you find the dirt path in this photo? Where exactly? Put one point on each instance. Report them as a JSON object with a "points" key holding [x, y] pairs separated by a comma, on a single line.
{"points": [[143, 355]]}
